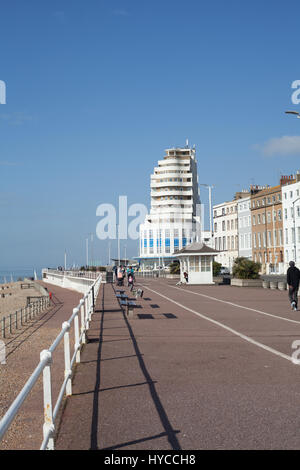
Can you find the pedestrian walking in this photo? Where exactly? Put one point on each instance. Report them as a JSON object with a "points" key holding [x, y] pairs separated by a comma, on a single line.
{"points": [[293, 278], [130, 281]]}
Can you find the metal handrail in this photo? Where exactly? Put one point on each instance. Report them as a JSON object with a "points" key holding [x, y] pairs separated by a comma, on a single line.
{"points": [[80, 274], [30, 310], [85, 308]]}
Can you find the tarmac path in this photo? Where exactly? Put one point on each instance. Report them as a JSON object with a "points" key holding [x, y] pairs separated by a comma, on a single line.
{"points": [[198, 367]]}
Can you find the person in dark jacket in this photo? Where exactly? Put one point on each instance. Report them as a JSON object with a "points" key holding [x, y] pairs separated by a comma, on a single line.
{"points": [[293, 278]]}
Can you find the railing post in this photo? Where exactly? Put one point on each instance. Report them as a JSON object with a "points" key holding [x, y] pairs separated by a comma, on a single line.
{"points": [[47, 389], [82, 321], [67, 358], [86, 312], [21, 317], [90, 305], [3, 327], [16, 319], [76, 331], [93, 298], [10, 323]]}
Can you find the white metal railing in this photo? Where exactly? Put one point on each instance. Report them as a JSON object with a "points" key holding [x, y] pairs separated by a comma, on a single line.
{"points": [[81, 274], [151, 273], [21, 316], [84, 310]]}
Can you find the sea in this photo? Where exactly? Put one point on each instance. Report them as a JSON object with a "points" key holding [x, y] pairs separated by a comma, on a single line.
{"points": [[13, 274]]}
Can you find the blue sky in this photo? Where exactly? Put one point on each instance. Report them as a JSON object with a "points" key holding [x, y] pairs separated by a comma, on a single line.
{"points": [[96, 90]]}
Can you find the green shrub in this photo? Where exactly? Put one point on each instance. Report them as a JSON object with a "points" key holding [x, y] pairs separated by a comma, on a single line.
{"points": [[244, 268], [175, 267], [216, 268]]}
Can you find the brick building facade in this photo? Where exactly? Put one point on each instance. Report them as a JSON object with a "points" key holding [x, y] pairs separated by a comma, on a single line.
{"points": [[267, 228]]}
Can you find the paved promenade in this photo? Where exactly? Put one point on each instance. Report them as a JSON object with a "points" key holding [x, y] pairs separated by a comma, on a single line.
{"points": [[198, 367]]}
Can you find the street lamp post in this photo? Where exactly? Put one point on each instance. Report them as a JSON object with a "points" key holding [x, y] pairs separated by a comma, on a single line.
{"points": [[92, 251], [87, 251], [118, 227]]}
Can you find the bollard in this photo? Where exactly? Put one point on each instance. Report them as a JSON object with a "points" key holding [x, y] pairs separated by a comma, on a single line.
{"points": [[282, 285], [273, 285]]}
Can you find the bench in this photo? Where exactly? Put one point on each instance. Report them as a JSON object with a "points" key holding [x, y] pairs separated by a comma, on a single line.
{"points": [[130, 305], [121, 296]]}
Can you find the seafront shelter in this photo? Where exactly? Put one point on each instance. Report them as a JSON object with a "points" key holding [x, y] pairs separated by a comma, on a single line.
{"points": [[196, 260]]}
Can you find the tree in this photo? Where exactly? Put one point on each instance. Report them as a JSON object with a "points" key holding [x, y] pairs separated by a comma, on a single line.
{"points": [[175, 267], [216, 268], [244, 268]]}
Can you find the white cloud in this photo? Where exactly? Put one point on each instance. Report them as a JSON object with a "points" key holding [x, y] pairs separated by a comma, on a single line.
{"points": [[285, 145]]}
